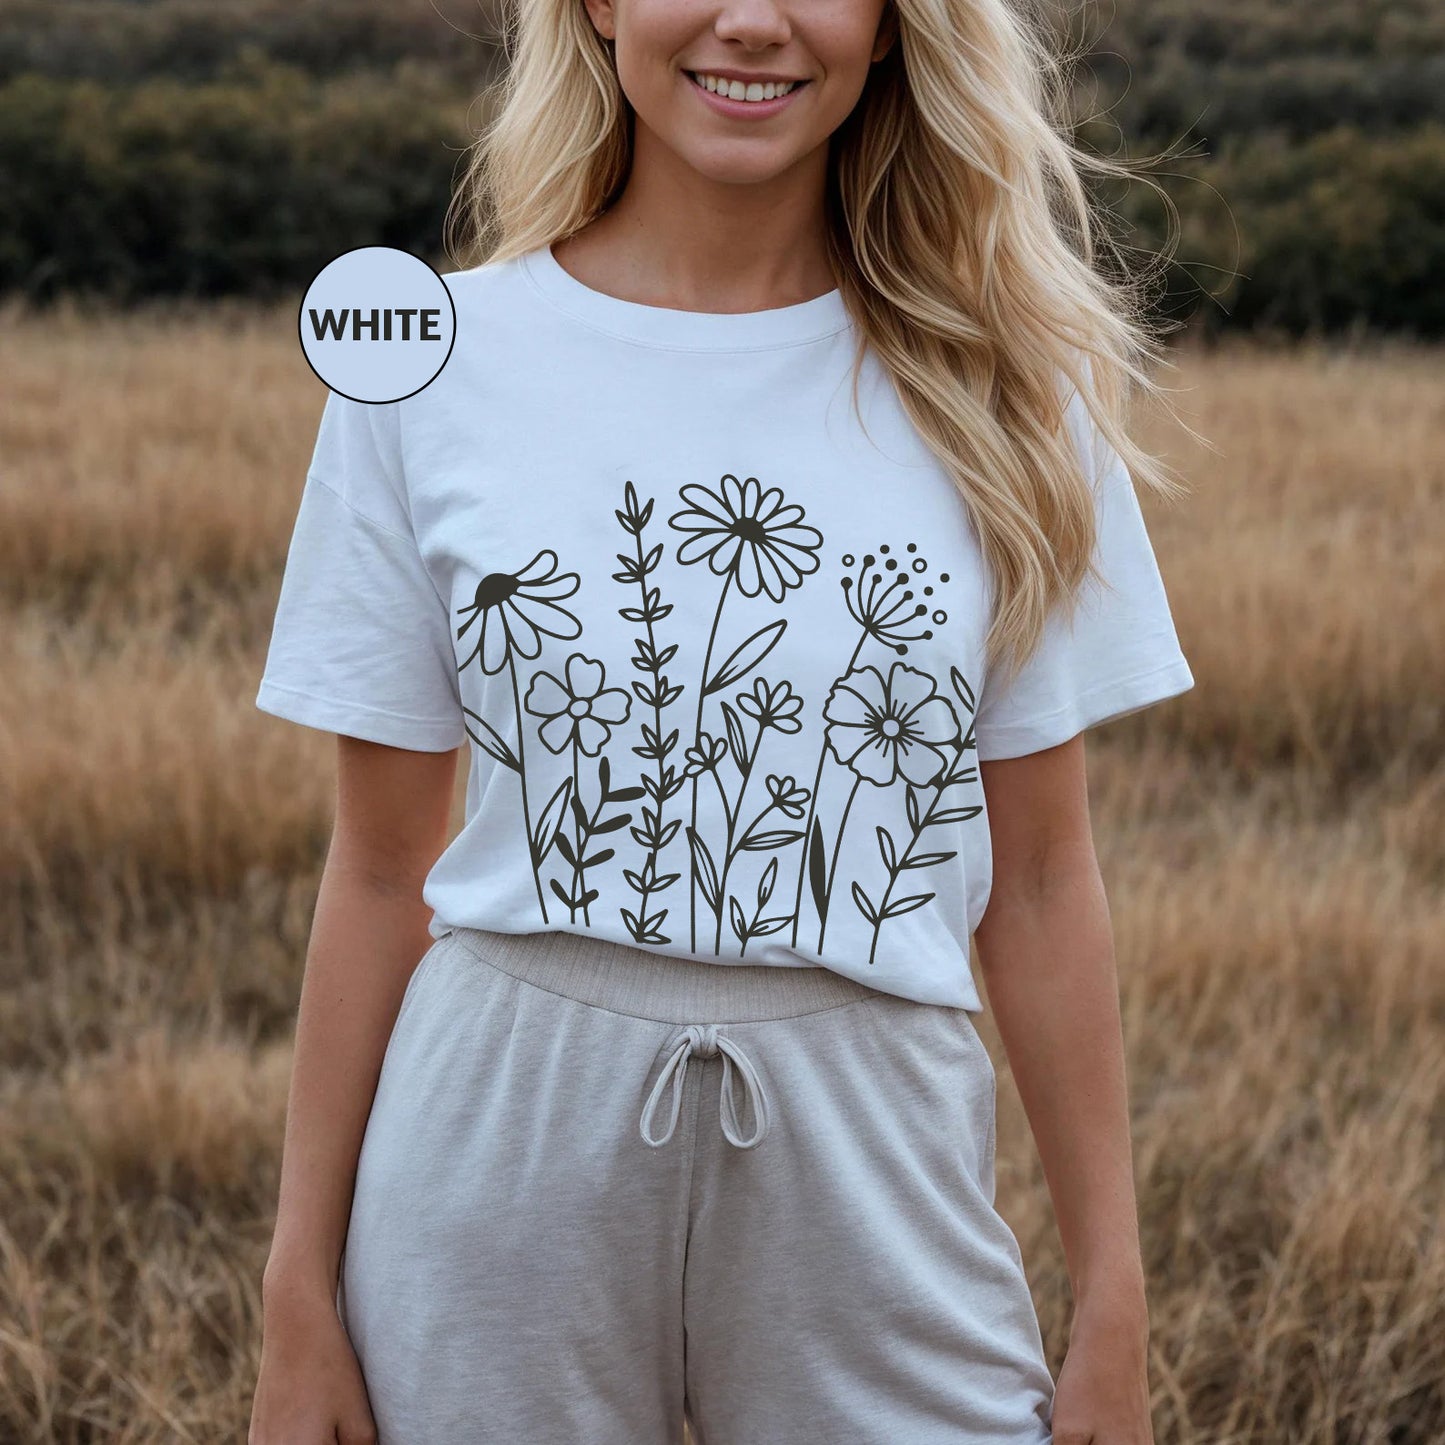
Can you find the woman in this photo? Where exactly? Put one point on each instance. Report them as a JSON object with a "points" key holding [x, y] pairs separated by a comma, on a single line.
{"points": [[769, 543]]}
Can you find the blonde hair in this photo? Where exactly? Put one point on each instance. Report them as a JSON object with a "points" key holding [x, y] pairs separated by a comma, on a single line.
{"points": [[961, 239]]}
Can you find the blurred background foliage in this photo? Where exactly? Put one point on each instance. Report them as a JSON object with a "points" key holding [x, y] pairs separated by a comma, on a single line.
{"points": [[233, 147]]}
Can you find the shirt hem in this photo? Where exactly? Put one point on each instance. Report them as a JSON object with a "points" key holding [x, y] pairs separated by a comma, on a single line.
{"points": [[360, 720], [1106, 703]]}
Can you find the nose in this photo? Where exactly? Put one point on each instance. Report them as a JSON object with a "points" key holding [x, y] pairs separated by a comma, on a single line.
{"points": [[707, 1041], [754, 24]]}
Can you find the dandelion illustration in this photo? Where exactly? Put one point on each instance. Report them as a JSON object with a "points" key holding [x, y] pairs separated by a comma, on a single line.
{"points": [[882, 599]]}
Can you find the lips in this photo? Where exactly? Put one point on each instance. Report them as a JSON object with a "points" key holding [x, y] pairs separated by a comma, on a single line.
{"points": [[754, 92]]}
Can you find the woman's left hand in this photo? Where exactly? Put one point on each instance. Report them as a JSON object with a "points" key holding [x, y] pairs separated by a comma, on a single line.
{"points": [[1102, 1394]]}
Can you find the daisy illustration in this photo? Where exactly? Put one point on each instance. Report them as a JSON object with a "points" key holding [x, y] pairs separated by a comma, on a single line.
{"points": [[516, 609], [747, 534]]}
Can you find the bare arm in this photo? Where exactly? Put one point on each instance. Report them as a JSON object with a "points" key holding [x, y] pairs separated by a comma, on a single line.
{"points": [[1046, 951], [369, 933]]}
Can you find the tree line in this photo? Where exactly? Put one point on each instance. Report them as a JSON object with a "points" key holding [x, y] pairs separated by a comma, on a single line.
{"points": [[215, 147]]}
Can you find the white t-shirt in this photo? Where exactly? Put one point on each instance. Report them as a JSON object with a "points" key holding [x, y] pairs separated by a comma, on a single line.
{"points": [[715, 650]]}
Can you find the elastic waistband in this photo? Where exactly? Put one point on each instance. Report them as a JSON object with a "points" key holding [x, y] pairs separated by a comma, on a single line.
{"points": [[661, 986]]}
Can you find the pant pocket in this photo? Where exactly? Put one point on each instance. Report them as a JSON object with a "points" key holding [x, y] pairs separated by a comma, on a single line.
{"points": [[425, 965]]}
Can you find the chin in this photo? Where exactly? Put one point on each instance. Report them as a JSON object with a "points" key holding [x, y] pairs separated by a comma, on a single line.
{"points": [[737, 164]]}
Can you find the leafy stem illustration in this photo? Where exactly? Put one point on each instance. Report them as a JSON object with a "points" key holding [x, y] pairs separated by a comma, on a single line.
{"points": [[588, 826], [746, 929], [750, 535], [773, 707], [654, 691]]}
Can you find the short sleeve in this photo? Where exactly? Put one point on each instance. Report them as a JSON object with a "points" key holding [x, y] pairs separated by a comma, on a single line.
{"points": [[360, 642], [1118, 654]]}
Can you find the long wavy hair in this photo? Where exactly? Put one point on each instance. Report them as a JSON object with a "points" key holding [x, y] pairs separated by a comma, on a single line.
{"points": [[961, 237]]}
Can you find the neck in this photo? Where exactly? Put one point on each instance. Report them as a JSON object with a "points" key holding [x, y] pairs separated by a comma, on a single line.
{"points": [[679, 239]]}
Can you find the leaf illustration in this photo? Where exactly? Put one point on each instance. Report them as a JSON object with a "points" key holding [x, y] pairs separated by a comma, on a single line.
{"points": [[490, 741], [770, 925], [564, 847], [927, 860], [766, 882], [737, 739], [594, 859], [759, 842], [906, 905], [955, 815], [739, 923], [886, 848], [818, 870], [746, 657], [961, 687], [608, 825], [704, 867], [910, 806], [550, 821], [865, 904]]}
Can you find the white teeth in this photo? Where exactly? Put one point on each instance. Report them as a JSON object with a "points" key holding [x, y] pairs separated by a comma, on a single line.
{"points": [[736, 90]]}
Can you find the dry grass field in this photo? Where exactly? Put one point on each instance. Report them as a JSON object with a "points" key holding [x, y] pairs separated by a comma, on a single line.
{"points": [[1272, 842]]}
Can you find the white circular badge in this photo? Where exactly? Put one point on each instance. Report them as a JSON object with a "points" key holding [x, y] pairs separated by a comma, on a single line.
{"points": [[377, 324]]}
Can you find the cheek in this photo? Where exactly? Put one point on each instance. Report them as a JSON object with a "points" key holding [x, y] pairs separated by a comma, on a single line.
{"points": [[844, 48], [650, 35]]}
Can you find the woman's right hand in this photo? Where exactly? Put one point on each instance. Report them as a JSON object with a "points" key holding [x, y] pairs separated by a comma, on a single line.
{"points": [[310, 1389]]}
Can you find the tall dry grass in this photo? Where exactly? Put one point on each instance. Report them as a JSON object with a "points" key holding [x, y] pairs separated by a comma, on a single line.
{"points": [[1272, 844]]}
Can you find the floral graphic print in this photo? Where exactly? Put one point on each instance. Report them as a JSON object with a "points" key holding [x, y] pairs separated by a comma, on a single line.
{"points": [[890, 744]]}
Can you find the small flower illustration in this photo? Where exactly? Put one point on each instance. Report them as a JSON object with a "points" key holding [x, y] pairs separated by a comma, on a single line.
{"points": [[883, 729], [748, 533], [772, 707], [579, 710], [787, 797], [707, 753], [516, 608]]}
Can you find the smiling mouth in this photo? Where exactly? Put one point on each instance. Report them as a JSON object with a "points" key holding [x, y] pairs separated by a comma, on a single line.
{"points": [[740, 90]]}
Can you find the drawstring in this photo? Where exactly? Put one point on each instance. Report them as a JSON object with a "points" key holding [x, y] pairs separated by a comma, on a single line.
{"points": [[706, 1042]]}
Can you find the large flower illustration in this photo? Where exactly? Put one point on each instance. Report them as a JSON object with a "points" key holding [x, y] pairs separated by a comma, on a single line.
{"points": [[579, 710], [516, 608], [882, 729], [748, 533]]}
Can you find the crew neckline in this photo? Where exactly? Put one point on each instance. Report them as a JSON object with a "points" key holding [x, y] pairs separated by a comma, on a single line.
{"points": [[810, 320]]}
